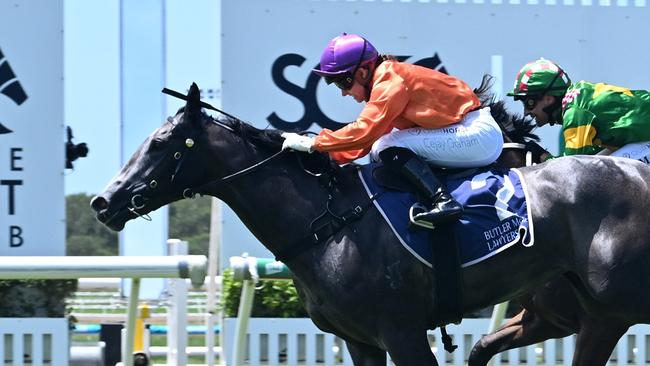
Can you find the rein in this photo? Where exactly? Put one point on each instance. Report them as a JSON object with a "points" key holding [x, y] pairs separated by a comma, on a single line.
{"points": [[318, 232], [138, 200], [232, 176], [322, 227], [191, 192]]}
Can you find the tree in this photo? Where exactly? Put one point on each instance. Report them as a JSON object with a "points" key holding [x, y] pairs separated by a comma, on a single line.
{"points": [[84, 234], [189, 220]]}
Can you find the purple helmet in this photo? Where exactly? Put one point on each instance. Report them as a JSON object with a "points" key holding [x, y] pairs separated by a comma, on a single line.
{"points": [[344, 54]]}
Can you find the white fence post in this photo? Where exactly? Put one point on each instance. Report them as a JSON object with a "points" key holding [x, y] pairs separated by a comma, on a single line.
{"points": [[498, 314], [213, 265], [127, 353], [177, 314], [241, 327]]}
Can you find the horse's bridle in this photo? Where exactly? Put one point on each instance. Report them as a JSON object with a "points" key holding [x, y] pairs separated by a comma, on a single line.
{"points": [[138, 200], [333, 222]]}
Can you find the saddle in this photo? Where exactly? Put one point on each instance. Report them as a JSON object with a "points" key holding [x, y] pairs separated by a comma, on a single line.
{"points": [[389, 179], [495, 218]]}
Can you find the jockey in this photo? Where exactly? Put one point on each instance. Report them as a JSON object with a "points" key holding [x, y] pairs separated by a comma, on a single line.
{"points": [[437, 117], [596, 118]]}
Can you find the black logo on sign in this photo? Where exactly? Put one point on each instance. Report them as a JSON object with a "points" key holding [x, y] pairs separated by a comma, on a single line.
{"points": [[10, 87], [307, 94]]}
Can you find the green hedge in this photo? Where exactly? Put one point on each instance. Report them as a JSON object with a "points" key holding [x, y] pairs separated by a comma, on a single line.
{"points": [[273, 299], [35, 298]]}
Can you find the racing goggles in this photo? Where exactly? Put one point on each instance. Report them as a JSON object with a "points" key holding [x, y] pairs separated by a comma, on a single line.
{"points": [[529, 101], [343, 82]]}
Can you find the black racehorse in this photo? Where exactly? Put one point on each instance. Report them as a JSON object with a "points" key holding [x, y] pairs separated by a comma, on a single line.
{"points": [[355, 279]]}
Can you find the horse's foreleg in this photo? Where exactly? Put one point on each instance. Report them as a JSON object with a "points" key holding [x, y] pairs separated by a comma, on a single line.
{"points": [[366, 355], [523, 329], [410, 349], [596, 341]]}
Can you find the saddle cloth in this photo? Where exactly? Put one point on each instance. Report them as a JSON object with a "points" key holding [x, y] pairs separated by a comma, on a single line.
{"points": [[495, 216]]}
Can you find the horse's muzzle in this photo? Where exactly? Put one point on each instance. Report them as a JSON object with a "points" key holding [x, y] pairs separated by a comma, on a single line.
{"points": [[101, 207], [98, 203]]}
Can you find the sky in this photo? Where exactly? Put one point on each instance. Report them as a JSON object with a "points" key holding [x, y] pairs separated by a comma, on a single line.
{"points": [[91, 90], [117, 58], [93, 79]]}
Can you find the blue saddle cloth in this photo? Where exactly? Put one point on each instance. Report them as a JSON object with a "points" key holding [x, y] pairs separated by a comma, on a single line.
{"points": [[495, 217]]}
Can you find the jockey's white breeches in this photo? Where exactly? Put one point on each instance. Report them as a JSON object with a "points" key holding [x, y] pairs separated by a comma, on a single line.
{"points": [[473, 142], [637, 150]]}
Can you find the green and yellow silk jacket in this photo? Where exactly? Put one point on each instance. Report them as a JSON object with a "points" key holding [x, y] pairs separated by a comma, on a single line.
{"points": [[598, 116]]}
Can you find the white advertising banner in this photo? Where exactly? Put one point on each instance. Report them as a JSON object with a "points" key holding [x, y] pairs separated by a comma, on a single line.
{"points": [[32, 203], [266, 67]]}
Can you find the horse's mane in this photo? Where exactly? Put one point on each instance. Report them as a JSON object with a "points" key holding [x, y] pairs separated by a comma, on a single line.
{"points": [[264, 138], [271, 141], [517, 127]]}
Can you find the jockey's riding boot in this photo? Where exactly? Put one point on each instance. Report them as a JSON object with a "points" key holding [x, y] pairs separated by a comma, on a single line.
{"points": [[444, 209]]}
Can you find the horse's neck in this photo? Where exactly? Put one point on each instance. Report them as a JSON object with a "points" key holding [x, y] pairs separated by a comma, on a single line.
{"points": [[275, 203]]}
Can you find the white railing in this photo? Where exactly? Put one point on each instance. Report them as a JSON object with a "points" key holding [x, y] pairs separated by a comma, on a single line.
{"points": [[272, 341], [297, 341], [136, 268], [45, 340], [188, 266]]}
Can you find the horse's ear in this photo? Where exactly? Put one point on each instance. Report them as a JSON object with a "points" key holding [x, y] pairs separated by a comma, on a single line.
{"points": [[193, 105]]}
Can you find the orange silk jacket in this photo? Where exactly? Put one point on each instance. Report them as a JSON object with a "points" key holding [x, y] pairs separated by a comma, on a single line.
{"points": [[402, 96]]}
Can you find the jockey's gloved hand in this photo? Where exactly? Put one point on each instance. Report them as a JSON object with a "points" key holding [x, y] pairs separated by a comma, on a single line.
{"points": [[298, 142]]}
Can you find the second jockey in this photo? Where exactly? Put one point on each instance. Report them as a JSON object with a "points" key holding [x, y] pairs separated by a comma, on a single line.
{"points": [[413, 116], [596, 118]]}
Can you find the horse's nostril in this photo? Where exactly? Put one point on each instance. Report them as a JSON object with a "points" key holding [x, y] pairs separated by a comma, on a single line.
{"points": [[98, 203]]}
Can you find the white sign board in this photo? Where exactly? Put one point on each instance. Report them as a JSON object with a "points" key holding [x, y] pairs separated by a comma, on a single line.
{"points": [[32, 203], [266, 68]]}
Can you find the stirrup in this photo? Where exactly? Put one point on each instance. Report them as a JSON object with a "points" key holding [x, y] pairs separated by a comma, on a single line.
{"points": [[412, 214]]}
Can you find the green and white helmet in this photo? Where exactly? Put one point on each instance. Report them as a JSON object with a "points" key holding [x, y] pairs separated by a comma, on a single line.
{"points": [[540, 77]]}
